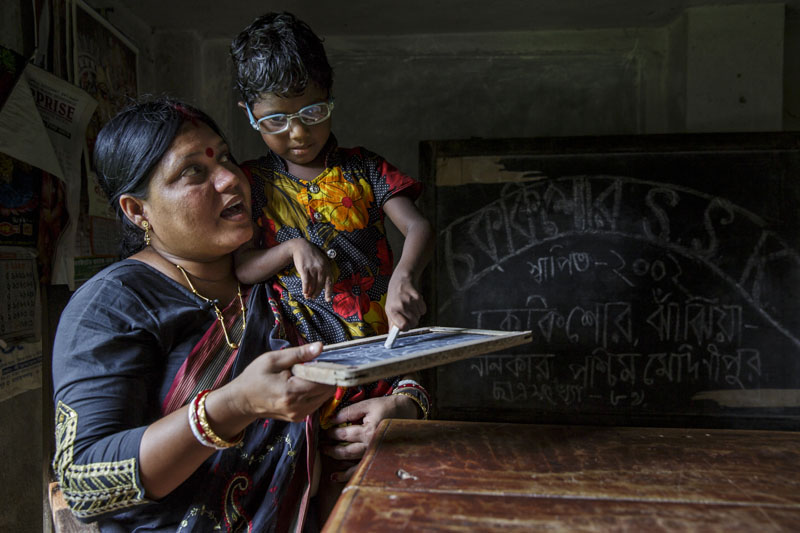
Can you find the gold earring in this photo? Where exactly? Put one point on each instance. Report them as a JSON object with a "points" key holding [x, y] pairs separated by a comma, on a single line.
{"points": [[146, 226]]}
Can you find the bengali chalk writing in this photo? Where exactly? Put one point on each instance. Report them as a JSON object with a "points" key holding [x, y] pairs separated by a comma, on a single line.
{"points": [[530, 216], [613, 376], [659, 278], [621, 349], [631, 301], [695, 320]]}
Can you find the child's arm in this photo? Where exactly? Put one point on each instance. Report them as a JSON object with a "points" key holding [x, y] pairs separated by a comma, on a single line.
{"points": [[255, 264], [404, 303]]}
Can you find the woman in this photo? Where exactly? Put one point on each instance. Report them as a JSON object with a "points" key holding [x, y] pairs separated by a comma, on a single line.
{"points": [[176, 409]]}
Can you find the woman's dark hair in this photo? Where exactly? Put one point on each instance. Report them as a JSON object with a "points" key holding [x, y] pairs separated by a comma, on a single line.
{"points": [[129, 147], [280, 54]]}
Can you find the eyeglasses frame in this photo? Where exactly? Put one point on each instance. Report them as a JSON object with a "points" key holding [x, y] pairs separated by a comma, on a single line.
{"points": [[289, 116]]}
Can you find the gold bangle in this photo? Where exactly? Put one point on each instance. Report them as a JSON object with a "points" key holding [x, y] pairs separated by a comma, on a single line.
{"points": [[215, 439], [416, 400]]}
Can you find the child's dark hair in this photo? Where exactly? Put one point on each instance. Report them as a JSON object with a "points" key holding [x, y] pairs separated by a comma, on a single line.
{"points": [[129, 147], [280, 54]]}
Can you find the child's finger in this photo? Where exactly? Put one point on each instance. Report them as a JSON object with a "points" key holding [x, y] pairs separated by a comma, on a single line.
{"points": [[342, 477], [328, 288], [349, 415], [320, 283], [346, 451], [309, 284], [400, 318], [310, 289], [303, 281], [413, 311]]}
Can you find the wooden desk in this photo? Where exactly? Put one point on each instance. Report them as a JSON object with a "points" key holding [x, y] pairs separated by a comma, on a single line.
{"points": [[462, 476]]}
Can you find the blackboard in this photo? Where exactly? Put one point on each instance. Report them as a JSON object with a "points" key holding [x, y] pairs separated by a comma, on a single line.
{"points": [[660, 276], [365, 360]]}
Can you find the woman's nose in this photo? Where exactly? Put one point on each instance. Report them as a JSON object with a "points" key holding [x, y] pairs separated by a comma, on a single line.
{"points": [[226, 178]]}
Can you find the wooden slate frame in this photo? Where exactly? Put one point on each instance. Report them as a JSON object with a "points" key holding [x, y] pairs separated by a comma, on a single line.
{"points": [[347, 375]]}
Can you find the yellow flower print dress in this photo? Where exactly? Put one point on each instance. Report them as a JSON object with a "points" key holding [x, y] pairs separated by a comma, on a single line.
{"points": [[340, 211]]}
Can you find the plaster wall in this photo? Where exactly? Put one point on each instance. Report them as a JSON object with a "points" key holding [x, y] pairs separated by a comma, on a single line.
{"points": [[392, 92], [177, 66], [712, 69], [735, 68]]}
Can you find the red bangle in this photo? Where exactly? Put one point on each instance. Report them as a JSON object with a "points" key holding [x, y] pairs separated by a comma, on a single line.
{"points": [[200, 428]]}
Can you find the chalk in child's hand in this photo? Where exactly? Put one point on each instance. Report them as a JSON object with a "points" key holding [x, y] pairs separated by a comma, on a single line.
{"points": [[392, 336]]}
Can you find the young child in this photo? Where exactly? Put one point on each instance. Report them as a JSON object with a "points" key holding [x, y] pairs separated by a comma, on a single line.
{"points": [[319, 208]]}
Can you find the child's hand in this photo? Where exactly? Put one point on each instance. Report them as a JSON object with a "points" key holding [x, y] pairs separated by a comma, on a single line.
{"points": [[354, 426], [314, 269], [404, 303]]}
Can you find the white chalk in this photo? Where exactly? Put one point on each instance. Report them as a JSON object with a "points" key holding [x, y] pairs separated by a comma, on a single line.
{"points": [[392, 336]]}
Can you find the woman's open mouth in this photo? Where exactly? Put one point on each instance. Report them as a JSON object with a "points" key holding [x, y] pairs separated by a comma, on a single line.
{"points": [[233, 212]]}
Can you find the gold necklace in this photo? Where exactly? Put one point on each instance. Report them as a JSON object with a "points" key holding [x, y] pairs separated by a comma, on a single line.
{"points": [[220, 317]]}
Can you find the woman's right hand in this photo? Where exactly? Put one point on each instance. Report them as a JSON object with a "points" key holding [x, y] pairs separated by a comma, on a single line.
{"points": [[313, 267], [267, 388]]}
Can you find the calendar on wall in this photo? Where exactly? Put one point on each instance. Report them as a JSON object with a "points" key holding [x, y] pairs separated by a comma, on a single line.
{"points": [[19, 285]]}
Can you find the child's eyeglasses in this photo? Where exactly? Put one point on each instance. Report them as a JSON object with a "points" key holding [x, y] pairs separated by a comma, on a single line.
{"points": [[279, 122]]}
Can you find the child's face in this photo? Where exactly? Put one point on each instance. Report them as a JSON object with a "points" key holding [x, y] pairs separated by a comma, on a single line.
{"points": [[301, 144]]}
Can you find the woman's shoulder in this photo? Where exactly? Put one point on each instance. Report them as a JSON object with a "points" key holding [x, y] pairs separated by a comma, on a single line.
{"points": [[131, 295], [127, 278], [127, 271]]}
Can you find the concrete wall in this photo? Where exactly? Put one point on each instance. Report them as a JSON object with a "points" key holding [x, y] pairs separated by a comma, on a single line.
{"points": [[408, 89], [712, 68], [392, 92], [735, 68]]}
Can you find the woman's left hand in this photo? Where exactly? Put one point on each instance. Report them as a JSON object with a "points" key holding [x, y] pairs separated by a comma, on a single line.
{"points": [[354, 426]]}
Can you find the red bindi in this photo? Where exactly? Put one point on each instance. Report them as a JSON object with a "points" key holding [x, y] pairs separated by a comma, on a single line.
{"points": [[210, 152]]}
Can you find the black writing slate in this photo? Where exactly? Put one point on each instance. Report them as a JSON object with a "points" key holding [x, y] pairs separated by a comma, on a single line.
{"points": [[660, 276]]}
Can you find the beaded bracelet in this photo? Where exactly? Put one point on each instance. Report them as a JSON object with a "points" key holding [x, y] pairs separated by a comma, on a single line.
{"points": [[415, 391], [408, 384], [198, 422], [412, 387], [416, 400]]}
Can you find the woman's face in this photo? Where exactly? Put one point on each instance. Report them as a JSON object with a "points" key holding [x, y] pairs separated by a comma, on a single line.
{"points": [[198, 200]]}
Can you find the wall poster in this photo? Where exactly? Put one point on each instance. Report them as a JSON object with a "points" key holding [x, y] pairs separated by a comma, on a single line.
{"points": [[105, 66]]}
